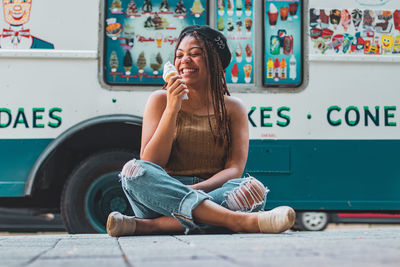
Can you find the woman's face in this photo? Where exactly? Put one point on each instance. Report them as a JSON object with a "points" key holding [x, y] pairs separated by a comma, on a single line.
{"points": [[191, 63]]}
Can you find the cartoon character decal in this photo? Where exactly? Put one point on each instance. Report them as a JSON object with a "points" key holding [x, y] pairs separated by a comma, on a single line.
{"points": [[16, 35]]}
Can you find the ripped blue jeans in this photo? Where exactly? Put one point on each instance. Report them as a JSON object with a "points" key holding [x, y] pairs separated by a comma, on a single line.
{"points": [[153, 193]]}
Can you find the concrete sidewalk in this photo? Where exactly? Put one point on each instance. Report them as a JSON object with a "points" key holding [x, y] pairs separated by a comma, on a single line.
{"points": [[354, 247]]}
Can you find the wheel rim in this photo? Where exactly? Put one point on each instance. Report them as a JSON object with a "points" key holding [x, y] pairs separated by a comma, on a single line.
{"points": [[104, 196], [314, 221]]}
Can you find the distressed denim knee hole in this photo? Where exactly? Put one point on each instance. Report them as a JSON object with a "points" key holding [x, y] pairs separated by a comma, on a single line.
{"points": [[131, 170], [247, 196]]}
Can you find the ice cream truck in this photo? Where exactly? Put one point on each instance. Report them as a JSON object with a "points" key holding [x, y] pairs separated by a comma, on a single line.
{"points": [[320, 80]]}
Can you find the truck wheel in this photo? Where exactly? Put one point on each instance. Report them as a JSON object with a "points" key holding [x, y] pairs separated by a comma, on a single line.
{"points": [[93, 190], [311, 221]]}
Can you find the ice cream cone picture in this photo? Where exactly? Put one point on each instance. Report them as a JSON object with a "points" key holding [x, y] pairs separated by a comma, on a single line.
{"points": [[272, 15], [356, 17], [127, 64], [170, 71], [247, 73], [197, 8], [249, 53], [141, 64], [221, 7], [248, 5], [238, 53], [156, 63], [239, 7], [235, 73], [113, 63], [335, 17], [230, 7]]}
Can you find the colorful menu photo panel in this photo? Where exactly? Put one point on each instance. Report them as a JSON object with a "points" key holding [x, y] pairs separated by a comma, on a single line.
{"points": [[235, 19], [140, 37], [283, 50]]}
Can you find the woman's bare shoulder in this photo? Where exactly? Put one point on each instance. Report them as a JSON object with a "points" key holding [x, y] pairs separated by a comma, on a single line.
{"points": [[157, 98], [234, 105]]}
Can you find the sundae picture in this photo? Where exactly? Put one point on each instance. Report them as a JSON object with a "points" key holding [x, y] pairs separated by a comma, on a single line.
{"points": [[248, 5], [293, 9], [197, 8], [170, 71], [141, 64], [113, 29], [164, 7], [230, 7], [127, 63], [113, 63], [247, 73], [272, 15], [116, 7], [156, 63], [284, 13], [235, 73], [356, 17], [238, 53], [239, 7], [147, 6], [131, 10], [180, 8], [249, 53], [221, 7], [248, 23], [346, 19]]}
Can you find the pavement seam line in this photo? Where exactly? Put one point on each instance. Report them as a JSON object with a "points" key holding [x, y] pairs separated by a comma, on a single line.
{"points": [[123, 254], [227, 258], [43, 252]]}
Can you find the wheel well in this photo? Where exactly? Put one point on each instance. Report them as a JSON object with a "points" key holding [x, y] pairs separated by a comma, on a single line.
{"points": [[55, 169]]}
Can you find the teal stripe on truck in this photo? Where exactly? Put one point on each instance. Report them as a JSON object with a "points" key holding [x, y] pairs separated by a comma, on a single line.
{"points": [[17, 157]]}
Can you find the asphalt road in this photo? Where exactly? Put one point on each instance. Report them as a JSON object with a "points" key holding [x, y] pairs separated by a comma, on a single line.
{"points": [[336, 247]]}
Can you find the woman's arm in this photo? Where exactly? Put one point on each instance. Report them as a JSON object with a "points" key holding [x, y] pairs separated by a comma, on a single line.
{"points": [[236, 162], [159, 122]]}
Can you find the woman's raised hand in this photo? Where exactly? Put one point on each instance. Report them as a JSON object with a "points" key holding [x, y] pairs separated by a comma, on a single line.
{"points": [[176, 89]]}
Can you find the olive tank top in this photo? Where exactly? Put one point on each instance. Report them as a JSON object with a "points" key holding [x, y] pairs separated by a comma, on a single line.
{"points": [[194, 151]]}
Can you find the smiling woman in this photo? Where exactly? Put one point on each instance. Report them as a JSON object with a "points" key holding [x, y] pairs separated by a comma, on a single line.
{"points": [[193, 152]]}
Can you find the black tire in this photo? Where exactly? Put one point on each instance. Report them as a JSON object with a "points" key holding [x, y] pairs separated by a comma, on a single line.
{"points": [[311, 221], [93, 190]]}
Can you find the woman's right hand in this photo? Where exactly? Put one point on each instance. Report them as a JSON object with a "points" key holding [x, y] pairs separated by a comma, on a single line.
{"points": [[176, 89]]}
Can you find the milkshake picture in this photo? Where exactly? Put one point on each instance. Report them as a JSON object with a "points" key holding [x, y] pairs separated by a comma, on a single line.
{"points": [[230, 7], [248, 23], [221, 7], [272, 15], [247, 73], [248, 4], [293, 9], [239, 7], [284, 13]]}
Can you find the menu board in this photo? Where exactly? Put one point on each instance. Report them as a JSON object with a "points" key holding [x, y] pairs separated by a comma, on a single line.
{"points": [[140, 37], [283, 50], [235, 19]]}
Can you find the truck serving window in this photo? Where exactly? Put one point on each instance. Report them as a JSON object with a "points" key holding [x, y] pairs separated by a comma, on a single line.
{"points": [[140, 37]]}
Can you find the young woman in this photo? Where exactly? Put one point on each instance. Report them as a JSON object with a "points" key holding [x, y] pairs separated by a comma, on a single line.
{"points": [[192, 152]]}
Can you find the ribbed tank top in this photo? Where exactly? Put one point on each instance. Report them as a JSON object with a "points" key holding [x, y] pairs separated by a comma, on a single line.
{"points": [[194, 151]]}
